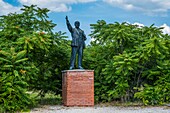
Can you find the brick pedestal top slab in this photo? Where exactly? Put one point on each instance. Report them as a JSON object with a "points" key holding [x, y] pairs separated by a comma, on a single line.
{"points": [[78, 87]]}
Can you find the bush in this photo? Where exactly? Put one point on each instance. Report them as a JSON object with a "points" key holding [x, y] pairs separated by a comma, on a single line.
{"points": [[13, 85], [130, 62], [35, 60]]}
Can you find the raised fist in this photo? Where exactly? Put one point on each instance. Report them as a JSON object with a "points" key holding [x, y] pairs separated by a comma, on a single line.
{"points": [[66, 17]]}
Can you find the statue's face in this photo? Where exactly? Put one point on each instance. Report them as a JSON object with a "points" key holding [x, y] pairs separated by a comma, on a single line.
{"points": [[77, 24]]}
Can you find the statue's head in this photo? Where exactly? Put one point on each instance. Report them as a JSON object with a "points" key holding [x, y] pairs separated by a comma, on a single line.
{"points": [[77, 24]]}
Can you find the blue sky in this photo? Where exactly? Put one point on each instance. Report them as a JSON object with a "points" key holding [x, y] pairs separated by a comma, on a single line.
{"points": [[145, 12]]}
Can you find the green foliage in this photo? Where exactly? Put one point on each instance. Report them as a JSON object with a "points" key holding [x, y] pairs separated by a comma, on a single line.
{"points": [[159, 92], [36, 59], [13, 86], [130, 62], [50, 65]]}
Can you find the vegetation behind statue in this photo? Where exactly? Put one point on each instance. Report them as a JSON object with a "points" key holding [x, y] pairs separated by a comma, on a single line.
{"points": [[27, 38], [131, 63]]}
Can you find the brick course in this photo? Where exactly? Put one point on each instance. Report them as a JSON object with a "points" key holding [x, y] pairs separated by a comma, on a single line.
{"points": [[78, 87]]}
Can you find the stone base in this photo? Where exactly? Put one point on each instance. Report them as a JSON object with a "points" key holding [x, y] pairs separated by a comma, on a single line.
{"points": [[78, 87]]}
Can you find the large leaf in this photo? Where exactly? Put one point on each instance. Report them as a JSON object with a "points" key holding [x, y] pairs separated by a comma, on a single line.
{"points": [[20, 54], [21, 60], [6, 60], [5, 53], [8, 66], [16, 73]]}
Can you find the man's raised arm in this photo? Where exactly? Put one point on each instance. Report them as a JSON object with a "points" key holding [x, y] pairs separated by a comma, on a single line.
{"points": [[69, 25]]}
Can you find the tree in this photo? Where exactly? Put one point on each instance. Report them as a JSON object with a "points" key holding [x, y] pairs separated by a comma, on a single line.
{"points": [[129, 62], [45, 52]]}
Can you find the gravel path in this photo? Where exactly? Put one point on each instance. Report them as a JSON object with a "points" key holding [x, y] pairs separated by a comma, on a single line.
{"points": [[99, 109]]}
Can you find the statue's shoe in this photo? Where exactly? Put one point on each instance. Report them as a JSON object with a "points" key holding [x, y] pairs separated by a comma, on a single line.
{"points": [[80, 67], [71, 68]]}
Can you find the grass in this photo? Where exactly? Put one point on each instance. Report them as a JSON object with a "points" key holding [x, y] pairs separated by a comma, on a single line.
{"points": [[52, 99], [48, 99], [130, 104], [123, 104]]}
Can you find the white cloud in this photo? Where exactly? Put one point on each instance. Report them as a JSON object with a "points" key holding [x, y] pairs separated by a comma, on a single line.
{"points": [[52, 5], [6, 8], [166, 29], [149, 7], [138, 24]]}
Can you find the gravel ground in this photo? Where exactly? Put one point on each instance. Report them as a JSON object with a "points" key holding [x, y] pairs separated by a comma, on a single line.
{"points": [[99, 109]]}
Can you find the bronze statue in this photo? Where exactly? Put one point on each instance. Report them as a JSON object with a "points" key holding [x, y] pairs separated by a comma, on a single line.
{"points": [[77, 44]]}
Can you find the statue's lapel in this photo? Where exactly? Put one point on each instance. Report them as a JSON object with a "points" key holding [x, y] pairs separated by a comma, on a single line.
{"points": [[77, 31]]}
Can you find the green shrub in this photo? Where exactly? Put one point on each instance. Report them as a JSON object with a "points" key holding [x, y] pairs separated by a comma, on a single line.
{"points": [[13, 85], [36, 59], [125, 57]]}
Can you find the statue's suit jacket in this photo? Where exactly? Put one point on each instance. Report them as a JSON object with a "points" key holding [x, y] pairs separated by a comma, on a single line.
{"points": [[78, 36]]}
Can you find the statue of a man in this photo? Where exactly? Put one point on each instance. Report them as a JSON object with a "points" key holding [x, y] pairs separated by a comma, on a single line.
{"points": [[77, 44]]}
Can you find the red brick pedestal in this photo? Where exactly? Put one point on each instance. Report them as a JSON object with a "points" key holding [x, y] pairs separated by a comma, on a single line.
{"points": [[78, 87]]}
